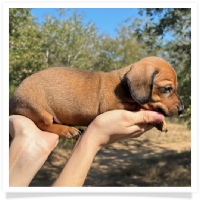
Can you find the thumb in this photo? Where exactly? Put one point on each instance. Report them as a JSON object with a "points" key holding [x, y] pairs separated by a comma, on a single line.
{"points": [[146, 117]]}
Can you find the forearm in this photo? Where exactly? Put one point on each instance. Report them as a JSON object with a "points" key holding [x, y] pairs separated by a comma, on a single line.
{"points": [[75, 171], [23, 164]]}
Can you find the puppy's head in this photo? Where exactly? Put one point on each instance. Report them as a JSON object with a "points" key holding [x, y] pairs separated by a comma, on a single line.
{"points": [[153, 84]]}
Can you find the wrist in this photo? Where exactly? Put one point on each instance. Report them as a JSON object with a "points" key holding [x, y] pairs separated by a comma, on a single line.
{"points": [[91, 138]]}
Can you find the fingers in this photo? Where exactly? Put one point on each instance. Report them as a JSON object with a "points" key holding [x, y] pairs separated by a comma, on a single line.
{"points": [[145, 117]]}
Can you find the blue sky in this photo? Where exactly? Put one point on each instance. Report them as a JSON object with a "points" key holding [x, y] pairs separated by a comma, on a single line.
{"points": [[106, 19]]}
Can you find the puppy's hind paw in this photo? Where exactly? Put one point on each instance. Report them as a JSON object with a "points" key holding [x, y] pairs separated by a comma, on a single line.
{"points": [[72, 132], [69, 132], [76, 137]]}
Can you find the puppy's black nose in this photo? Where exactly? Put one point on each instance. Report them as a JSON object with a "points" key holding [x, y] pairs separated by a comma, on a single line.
{"points": [[180, 109]]}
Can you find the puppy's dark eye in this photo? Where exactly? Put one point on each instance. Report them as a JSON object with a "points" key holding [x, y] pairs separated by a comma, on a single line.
{"points": [[167, 90]]}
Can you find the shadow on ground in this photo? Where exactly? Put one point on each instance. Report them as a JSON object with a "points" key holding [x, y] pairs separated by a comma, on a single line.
{"points": [[128, 163]]}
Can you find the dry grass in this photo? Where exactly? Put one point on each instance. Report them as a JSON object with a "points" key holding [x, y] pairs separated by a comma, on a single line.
{"points": [[154, 159]]}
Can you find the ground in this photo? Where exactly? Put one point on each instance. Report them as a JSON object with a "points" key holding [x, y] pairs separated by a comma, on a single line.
{"points": [[154, 159]]}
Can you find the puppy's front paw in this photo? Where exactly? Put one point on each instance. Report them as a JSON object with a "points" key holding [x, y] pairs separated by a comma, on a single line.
{"points": [[162, 126]]}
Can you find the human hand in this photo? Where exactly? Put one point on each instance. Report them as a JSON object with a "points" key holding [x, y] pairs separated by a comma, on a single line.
{"points": [[116, 125], [28, 150], [24, 129]]}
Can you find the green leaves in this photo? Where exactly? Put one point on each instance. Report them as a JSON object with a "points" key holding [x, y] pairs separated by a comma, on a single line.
{"points": [[25, 56], [69, 42]]}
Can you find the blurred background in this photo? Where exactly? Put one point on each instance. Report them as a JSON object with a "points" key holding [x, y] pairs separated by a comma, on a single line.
{"points": [[109, 39]]}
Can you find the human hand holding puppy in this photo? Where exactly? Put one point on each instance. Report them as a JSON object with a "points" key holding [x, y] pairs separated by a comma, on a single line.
{"points": [[31, 146]]}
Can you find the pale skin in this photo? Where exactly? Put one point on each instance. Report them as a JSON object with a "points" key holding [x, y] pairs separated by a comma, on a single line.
{"points": [[31, 146]]}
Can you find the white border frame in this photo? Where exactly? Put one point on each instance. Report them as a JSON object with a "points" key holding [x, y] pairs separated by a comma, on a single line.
{"points": [[92, 4]]}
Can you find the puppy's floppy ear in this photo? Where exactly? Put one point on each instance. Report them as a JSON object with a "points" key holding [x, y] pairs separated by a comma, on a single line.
{"points": [[140, 81]]}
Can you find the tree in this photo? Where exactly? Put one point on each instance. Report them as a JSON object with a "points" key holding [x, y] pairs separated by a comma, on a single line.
{"points": [[122, 50], [69, 42], [25, 57]]}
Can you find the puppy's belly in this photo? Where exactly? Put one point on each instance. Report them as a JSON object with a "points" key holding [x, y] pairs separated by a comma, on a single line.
{"points": [[83, 115], [76, 114], [79, 119]]}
